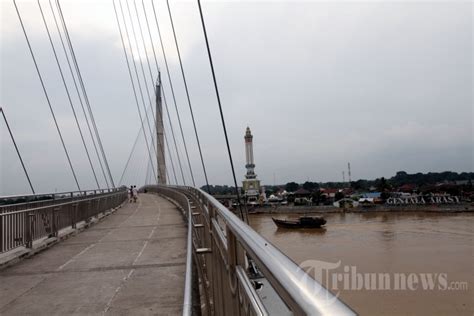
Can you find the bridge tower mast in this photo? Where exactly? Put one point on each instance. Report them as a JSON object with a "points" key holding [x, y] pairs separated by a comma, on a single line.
{"points": [[160, 153]]}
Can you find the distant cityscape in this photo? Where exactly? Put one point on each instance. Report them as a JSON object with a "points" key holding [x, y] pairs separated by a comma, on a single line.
{"points": [[378, 190]]}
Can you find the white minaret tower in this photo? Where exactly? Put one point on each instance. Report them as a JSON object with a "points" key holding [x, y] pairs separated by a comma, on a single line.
{"points": [[250, 165], [251, 185]]}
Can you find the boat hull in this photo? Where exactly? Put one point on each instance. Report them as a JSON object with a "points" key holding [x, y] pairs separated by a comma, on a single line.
{"points": [[315, 223]]}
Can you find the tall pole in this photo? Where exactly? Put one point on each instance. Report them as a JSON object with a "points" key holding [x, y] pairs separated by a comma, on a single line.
{"points": [[349, 171], [160, 154]]}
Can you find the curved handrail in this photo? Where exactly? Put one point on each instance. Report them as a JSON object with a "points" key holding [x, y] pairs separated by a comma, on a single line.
{"points": [[303, 294], [187, 299], [82, 192], [40, 208], [309, 295]]}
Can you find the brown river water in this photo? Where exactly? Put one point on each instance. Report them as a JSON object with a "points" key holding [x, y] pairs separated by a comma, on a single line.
{"points": [[386, 263]]}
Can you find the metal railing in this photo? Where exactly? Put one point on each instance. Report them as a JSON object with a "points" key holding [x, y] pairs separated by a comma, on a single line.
{"points": [[184, 203], [23, 223], [226, 252], [22, 202]]}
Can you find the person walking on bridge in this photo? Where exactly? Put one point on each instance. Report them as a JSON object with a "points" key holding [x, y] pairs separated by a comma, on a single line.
{"points": [[135, 194], [130, 194]]}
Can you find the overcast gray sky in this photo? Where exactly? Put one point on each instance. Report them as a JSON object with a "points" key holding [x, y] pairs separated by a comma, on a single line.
{"points": [[386, 85]]}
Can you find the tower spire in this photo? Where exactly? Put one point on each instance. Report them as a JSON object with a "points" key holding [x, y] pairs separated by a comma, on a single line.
{"points": [[160, 153]]}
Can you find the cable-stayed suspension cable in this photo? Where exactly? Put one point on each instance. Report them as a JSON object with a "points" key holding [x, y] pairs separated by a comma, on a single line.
{"points": [[136, 73], [144, 78], [130, 155], [131, 152], [184, 140], [155, 92], [78, 93], [86, 98], [168, 73], [142, 98], [172, 91], [164, 96], [163, 91], [172, 133], [68, 94], [188, 98], [139, 59], [168, 146], [220, 109], [147, 172], [47, 96], [17, 150], [131, 77]]}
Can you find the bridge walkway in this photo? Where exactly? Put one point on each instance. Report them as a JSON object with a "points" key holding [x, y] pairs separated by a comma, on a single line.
{"points": [[132, 262]]}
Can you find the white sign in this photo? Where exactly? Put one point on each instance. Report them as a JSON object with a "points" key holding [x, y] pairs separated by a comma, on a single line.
{"points": [[420, 200]]}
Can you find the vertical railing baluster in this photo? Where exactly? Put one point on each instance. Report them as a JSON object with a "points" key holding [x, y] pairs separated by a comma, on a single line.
{"points": [[74, 215], [29, 229], [55, 215], [2, 231]]}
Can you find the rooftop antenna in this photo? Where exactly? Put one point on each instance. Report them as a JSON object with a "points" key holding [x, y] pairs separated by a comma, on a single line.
{"points": [[349, 172]]}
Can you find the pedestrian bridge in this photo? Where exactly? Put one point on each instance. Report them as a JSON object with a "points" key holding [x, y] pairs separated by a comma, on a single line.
{"points": [[176, 251]]}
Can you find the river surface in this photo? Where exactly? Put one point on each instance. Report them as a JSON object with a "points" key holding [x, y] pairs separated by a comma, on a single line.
{"points": [[386, 263]]}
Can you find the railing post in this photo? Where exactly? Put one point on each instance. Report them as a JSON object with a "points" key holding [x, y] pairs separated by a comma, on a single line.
{"points": [[232, 261], [88, 212], [55, 221], [97, 210], [1, 231], [74, 215], [29, 229]]}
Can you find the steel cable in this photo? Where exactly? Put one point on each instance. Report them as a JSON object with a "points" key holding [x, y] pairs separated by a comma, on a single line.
{"points": [[79, 94], [188, 98], [220, 111], [83, 88], [17, 150], [131, 77], [68, 94], [155, 92], [47, 96]]}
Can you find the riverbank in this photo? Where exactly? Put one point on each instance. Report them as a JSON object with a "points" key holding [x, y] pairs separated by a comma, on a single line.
{"points": [[291, 209]]}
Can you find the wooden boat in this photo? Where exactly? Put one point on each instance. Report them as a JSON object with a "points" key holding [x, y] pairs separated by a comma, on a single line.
{"points": [[302, 222]]}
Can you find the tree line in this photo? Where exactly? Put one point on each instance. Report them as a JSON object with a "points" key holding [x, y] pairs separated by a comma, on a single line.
{"points": [[420, 180]]}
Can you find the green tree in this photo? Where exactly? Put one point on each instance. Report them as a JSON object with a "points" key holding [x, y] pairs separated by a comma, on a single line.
{"points": [[315, 196], [338, 196], [382, 185], [292, 186], [310, 186]]}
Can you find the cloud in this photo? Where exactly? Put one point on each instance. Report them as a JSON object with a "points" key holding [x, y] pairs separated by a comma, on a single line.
{"points": [[384, 85]]}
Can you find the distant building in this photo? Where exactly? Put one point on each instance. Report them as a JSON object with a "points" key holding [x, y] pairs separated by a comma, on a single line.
{"points": [[251, 184], [329, 193], [372, 195], [407, 188], [302, 193]]}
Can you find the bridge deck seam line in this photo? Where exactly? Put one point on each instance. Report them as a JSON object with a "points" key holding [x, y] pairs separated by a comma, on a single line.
{"points": [[98, 269], [117, 290]]}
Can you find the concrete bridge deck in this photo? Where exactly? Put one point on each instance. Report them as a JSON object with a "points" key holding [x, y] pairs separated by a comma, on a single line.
{"points": [[133, 262]]}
